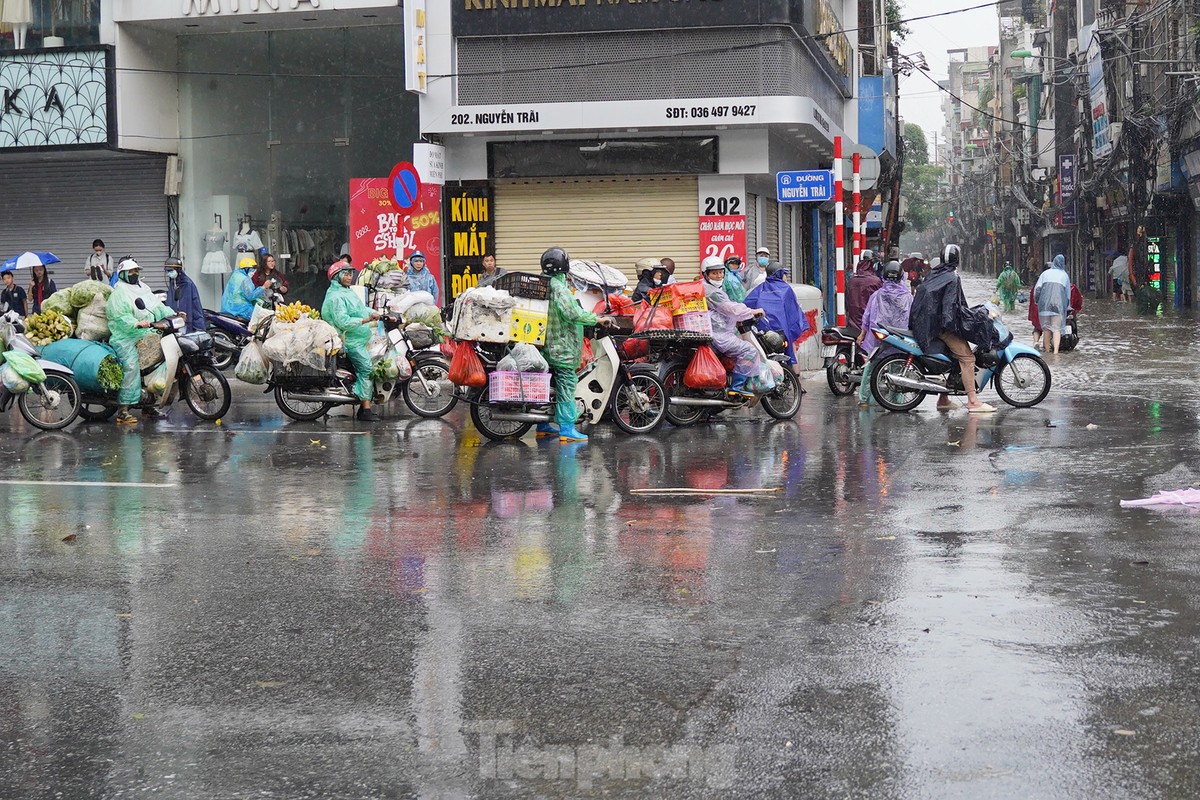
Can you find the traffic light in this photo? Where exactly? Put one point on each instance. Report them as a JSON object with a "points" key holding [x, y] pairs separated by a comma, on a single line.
{"points": [[950, 217]]}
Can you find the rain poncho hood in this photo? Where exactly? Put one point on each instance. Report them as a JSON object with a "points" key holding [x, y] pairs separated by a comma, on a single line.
{"points": [[888, 306], [1053, 293], [123, 317], [937, 306], [725, 313], [776, 297], [345, 310], [733, 286], [240, 294], [859, 290], [423, 281]]}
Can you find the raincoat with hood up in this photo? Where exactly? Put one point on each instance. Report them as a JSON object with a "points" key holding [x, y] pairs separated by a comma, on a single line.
{"points": [[938, 306], [345, 310], [776, 297], [123, 318], [1007, 285], [864, 284], [725, 315], [564, 346], [1053, 294], [888, 306], [240, 294]]}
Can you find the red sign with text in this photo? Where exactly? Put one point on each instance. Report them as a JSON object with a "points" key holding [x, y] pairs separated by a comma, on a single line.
{"points": [[378, 229], [723, 237]]}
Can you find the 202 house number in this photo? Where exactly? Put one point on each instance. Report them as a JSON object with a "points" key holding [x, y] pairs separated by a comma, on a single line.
{"points": [[722, 206]]}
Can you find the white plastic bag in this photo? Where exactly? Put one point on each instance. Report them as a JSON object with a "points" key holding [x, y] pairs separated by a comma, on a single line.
{"points": [[12, 380], [156, 381], [403, 368], [258, 315], [252, 367]]}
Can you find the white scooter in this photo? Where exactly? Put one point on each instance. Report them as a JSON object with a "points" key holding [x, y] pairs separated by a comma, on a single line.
{"points": [[52, 404]]}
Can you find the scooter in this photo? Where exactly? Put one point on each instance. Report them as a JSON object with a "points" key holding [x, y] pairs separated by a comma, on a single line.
{"points": [[230, 334], [844, 359], [673, 350], [190, 376], [1070, 337], [901, 380], [50, 405], [630, 392]]}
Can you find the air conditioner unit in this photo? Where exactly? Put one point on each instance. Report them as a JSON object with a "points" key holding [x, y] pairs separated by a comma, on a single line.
{"points": [[174, 179]]}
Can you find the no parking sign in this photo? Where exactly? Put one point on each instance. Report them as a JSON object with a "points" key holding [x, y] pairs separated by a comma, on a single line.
{"points": [[404, 185]]}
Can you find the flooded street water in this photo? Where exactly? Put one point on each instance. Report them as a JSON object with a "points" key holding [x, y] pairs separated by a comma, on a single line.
{"points": [[929, 605]]}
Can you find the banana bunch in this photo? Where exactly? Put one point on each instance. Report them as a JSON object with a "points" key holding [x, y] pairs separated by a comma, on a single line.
{"points": [[294, 311], [47, 327]]}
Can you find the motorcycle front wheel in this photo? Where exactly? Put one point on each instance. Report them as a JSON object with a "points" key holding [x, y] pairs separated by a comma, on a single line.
{"points": [[784, 401], [1023, 382], [679, 415], [206, 392], [496, 429], [224, 351], [300, 410], [53, 404], [435, 397], [895, 398], [639, 404]]}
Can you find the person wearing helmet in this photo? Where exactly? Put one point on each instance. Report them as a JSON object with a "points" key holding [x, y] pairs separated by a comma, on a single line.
{"points": [[240, 292], [345, 310], [128, 325], [651, 275], [890, 305], [750, 372], [564, 345], [937, 310], [420, 279], [859, 288], [777, 299], [183, 295], [732, 281]]}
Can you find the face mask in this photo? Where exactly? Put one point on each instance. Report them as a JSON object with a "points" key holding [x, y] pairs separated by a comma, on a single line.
{"points": [[130, 277], [172, 274], [763, 261]]}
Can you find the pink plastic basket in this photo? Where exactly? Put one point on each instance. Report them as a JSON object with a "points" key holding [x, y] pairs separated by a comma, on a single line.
{"points": [[519, 387], [695, 321]]}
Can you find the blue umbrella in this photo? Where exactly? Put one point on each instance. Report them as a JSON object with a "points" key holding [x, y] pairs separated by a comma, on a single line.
{"points": [[29, 259]]}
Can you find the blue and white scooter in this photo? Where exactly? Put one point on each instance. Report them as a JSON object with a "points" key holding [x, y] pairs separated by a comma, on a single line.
{"points": [[901, 380]]}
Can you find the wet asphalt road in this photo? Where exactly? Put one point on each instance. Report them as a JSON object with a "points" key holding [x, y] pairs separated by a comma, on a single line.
{"points": [[932, 605]]}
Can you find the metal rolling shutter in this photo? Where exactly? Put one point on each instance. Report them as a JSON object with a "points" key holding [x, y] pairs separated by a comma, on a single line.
{"points": [[62, 205], [613, 220], [771, 228], [751, 226]]}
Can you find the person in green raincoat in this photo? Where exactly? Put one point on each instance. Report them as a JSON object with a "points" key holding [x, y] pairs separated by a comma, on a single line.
{"points": [[1007, 285], [128, 325], [733, 279], [345, 310], [564, 345]]}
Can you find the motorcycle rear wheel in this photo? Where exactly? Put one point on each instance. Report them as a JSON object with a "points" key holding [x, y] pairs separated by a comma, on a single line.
{"points": [[784, 401], [496, 429], [300, 410], [895, 399], [1023, 382], [835, 373], [37, 413], [680, 416]]}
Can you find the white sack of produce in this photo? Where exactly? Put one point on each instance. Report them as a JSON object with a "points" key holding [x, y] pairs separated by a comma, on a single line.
{"points": [[483, 315], [93, 321], [307, 341], [409, 299], [257, 316], [523, 358]]}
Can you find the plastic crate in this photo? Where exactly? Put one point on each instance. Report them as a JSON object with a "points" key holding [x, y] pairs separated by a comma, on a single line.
{"points": [[529, 320], [519, 387], [696, 321], [528, 285]]}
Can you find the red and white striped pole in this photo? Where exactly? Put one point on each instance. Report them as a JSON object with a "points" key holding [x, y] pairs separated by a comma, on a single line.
{"points": [[857, 206], [839, 232]]}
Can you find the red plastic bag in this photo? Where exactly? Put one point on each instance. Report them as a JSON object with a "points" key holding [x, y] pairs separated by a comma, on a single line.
{"points": [[448, 347], [705, 371], [649, 317], [466, 369], [588, 354], [618, 305], [636, 348]]}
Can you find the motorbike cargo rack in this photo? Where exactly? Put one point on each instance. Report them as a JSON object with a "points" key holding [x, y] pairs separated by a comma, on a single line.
{"points": [[673, 336], [528, 285], [295, 372]]}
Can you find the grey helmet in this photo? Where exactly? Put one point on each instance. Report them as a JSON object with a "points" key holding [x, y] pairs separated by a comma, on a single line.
{"points": [[892, 271], [950, 255]]}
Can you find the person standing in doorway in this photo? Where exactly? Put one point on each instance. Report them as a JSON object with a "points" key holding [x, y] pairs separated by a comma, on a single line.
{"points": [[490, 271], [99, 265]]}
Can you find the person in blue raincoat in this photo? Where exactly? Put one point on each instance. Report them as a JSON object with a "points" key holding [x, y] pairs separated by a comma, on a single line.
{"points": [[420, 279], [182, 295], [1053, 296], [240, 292], [776, 297]]}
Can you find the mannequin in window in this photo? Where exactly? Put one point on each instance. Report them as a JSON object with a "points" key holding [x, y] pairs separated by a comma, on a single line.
{"points": [[215, 261], [248, 237], [18, 14]]}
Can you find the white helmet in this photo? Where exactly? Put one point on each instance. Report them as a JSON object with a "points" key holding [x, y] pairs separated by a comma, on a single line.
{"points": [[950, 255], [712, 263]]}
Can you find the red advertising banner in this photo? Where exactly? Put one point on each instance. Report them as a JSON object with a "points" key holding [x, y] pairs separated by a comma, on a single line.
{"points": [[379, 229], [723, 237]]}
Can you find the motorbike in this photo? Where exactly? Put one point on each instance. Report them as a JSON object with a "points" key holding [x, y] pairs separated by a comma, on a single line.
{"points": [[1070, 338], [50, 405], [673, 350], [844, 359], [305, 394], [901, 380], [631, 393], [230, 334], [190, 376]]}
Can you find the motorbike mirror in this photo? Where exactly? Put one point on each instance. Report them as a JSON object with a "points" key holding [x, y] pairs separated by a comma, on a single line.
{"points": [[140, 303]]}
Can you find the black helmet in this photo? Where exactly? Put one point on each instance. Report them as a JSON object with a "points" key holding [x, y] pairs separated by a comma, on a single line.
{"points": [[950, 255], [773, 342], [171, 262], [891, 271], [555, 261]]}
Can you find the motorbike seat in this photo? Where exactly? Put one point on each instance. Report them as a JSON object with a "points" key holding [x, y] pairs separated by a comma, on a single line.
{"points": [[899, 331], [847, 331]]}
